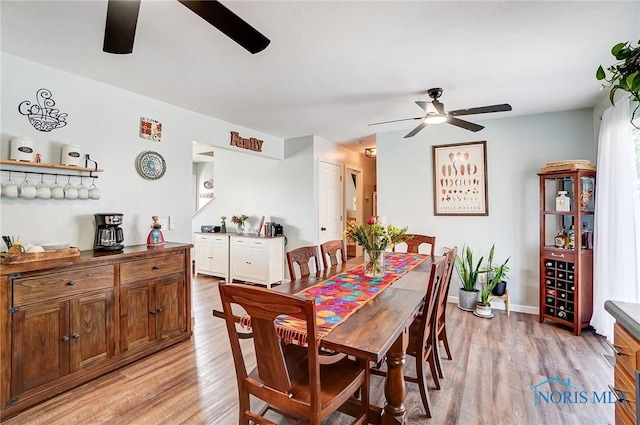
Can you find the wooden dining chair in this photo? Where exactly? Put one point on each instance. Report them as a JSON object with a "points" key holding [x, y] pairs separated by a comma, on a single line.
{"points": [[421, 337], [414, 241], [302, 256], [441, 322], [289, 377], [330, 250]]}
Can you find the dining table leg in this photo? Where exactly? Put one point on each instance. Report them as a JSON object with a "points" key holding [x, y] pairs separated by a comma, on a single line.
{"points": [[394, 386]]}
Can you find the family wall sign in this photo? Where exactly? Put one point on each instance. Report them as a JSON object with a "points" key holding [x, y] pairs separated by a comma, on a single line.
{"points": [[251, 143]]}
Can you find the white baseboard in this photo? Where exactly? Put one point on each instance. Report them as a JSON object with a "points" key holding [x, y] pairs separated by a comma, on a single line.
{"points": [[499, 305]]}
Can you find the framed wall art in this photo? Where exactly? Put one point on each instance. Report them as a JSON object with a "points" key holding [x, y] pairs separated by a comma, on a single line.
{"points": [[460, 179], [150, 129]]}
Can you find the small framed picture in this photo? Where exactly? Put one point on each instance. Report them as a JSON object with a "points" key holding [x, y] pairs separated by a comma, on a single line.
{"points": [[150, 129], [460, 179]]}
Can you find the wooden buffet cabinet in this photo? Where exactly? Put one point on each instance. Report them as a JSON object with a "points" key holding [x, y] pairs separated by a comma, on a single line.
{"points": [[65, 322], [626, 372]]}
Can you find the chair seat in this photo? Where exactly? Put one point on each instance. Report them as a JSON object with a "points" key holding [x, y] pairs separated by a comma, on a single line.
{"points": [[334, 378]]}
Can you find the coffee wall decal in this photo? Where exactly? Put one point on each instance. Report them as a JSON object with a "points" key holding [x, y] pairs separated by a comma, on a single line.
{"points": [[43, 116]]}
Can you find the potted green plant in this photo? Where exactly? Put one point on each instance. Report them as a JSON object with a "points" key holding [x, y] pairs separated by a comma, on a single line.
{"points": [[468, 271], [624, 74], [495, 276]]}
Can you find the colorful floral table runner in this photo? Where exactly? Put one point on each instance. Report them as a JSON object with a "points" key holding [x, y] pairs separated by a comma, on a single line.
{"points": [[339, 297]]}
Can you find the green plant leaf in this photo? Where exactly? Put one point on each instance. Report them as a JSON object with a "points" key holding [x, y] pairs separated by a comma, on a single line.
{"points": [[615, 50], [630, 80], [600, 73], [612, 94]]}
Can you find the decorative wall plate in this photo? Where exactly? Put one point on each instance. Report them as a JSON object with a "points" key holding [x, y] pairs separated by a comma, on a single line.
{"points": [[150, 165]]}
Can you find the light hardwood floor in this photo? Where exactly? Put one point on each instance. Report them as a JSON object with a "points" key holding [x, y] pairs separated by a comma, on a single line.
{"points": [[489, 381]]}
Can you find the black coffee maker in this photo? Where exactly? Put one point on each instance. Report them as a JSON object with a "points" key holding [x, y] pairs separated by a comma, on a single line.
{"points": [[108, 232]]}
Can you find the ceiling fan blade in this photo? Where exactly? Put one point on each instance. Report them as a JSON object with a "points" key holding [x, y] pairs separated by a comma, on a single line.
{"points": [[481, 110], [416, 130], [464, 124], [438, 106], [423, 104], [120, 29], [404, 119], [229, 23]]}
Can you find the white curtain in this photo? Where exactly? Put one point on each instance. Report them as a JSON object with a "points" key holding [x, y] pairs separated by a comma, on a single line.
{"points": [[616, 222]]}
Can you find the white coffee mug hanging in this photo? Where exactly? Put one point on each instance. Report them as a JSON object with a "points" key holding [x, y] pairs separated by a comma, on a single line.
{"points": [[71, 155]]}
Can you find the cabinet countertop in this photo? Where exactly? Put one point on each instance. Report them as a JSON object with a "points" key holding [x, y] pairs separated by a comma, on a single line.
{"points": [[626, 314], [240, 235], [91, 257]]}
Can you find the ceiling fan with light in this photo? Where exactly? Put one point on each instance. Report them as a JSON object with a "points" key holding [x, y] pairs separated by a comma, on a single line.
{"points": [[435, 114], [122, 18]]}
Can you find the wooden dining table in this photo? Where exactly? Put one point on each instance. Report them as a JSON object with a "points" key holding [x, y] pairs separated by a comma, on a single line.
{"points": [[378, 330]]}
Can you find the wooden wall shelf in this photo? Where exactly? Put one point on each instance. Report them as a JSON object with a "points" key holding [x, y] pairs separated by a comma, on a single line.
{"points": [[46, 165]]}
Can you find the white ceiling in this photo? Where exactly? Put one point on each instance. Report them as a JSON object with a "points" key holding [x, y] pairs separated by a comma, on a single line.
{"points": [[334, 67]]}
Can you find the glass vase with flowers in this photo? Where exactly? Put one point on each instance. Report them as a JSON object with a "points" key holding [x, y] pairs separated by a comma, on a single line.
{"points": [[239, 220], [375, 238]]}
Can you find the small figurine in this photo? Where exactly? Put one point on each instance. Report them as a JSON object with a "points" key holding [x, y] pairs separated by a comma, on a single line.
{"points": [[223, 225], [155, 235]]}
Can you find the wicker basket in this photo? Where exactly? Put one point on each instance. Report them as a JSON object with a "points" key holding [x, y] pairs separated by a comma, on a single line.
{"points": [[27, 257], [568, 165]]}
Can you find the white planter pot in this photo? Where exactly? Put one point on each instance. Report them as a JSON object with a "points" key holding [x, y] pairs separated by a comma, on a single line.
{"points": [[483, 310]]}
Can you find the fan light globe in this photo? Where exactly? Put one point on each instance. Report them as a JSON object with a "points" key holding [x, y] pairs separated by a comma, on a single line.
{"points": [[435, 119]]}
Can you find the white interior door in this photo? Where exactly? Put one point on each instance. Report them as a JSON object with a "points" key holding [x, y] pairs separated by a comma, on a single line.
{"points": [[330, 202]]}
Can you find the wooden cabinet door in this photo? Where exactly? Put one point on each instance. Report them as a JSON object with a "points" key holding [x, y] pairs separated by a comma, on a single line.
{"points": [[136, 323], [170, 319], [40, 345], [92, 329]]}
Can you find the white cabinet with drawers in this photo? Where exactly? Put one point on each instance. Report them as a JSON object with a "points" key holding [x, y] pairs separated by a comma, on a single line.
{"points": [[257, 259], [212, 254]]}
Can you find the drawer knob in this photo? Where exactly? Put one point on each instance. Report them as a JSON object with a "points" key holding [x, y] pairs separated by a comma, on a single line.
{"points": [[75, 335], [65, 338], [152, 312], [154, 268], [553, 254], [159, 310], [71, 283]]}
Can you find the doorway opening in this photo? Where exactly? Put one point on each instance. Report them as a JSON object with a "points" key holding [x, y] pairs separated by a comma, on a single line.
{"points": [[353, 203]]}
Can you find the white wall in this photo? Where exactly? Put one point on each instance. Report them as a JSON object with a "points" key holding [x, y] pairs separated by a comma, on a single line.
{"points": [[280, 182], [516, 150], [104, 121], [277, 189]]}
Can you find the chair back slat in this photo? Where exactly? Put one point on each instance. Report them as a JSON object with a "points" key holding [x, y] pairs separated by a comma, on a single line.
{"points": [[331, 250], [271, 365], [302, 256]]}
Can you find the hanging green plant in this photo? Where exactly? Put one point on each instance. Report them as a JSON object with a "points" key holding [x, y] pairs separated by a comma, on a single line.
{"points": [[624, 74]]}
